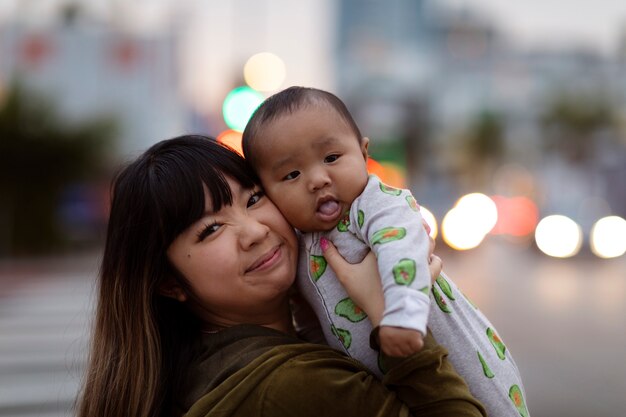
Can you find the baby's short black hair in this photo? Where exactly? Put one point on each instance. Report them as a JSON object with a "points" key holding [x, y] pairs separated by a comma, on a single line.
{"points": [[286, 102]]}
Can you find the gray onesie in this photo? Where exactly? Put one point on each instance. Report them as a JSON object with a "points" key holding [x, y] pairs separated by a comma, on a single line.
{"points": [[387, 221]]}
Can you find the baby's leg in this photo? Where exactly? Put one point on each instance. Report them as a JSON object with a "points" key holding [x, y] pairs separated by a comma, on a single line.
{"points": [[476, 351]]}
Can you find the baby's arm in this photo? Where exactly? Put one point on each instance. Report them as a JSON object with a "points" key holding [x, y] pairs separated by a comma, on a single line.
{"points": [[396, 341], [390, 223], [362, 283]]}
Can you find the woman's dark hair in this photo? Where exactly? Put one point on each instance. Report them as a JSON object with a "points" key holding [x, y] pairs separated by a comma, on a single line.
{"points": [[142, 339], [288, 101]]}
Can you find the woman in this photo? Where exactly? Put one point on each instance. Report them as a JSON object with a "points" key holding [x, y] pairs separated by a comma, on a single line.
{"points": [[193, 308]]}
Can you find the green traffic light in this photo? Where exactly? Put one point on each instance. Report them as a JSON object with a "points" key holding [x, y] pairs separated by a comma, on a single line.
{"points": [[239, 105]]}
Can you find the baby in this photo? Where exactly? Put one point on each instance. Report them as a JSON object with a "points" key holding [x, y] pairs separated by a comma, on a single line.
{"points": [[311, 159]]}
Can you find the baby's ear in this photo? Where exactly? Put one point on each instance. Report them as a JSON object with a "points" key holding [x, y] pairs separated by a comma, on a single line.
{"points": [[365, 142]]}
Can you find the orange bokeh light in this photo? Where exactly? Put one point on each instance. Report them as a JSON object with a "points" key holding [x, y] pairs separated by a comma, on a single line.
{"points": [[231, 138], [389, 174], [517, 216]]}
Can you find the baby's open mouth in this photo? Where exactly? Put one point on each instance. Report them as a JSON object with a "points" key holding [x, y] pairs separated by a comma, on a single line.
{"points": [[329, 210], [328, 207]]}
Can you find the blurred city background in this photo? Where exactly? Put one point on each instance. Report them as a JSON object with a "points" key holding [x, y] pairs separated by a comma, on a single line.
{"points": [[506, 119]]}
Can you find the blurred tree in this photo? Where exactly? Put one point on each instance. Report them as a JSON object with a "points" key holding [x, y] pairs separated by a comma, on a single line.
{"points": [[70, 13], [484, 146], [570, 121], [40, 155], [415, 131], [485, 139]]}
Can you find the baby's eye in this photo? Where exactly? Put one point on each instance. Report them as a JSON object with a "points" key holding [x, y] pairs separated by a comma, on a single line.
{"points": [[292, 175], [255, 198], [331, 158], [208, 230]]}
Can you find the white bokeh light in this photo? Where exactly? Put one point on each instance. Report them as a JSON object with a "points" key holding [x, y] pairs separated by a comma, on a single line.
{"points": [[264, 72], [558, 236], [608, 237], [460, 231], [481, 209], [466, 225]]}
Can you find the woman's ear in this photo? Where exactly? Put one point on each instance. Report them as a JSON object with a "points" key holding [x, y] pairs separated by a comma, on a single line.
{"points": [[172, 289], [365, 141]]}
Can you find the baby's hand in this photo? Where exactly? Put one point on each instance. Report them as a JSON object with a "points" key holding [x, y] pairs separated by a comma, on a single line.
{"points": [[399, 342]]}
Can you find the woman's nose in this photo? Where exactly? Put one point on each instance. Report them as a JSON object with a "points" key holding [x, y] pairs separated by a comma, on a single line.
{"points": [[252, 231], [318, 179]]}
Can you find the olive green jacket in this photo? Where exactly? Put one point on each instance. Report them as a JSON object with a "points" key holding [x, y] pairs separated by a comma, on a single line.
{"points": [[254, 371]]}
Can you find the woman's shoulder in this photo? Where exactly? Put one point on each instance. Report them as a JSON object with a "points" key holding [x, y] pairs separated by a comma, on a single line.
{"points": [[287, 376], [238, 350], [310, 380]]}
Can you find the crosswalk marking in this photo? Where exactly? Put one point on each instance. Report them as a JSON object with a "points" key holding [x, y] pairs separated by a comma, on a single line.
{"points": [[44, 333]]}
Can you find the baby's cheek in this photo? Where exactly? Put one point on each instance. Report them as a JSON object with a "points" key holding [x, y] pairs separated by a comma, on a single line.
{"points": [[294, 215], [282, 199]]}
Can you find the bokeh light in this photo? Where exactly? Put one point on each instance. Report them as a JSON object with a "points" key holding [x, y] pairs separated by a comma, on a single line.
{"points": [[481, 209], [517, 216], [608, 237], [389, 173], [239, 105], [466, 225], [429, 217], [459, 230], [558, 236], [394, 174], [231, 138], [264, 72]]}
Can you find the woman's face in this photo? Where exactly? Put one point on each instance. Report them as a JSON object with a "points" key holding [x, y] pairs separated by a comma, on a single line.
{"points": [[239, 261]]}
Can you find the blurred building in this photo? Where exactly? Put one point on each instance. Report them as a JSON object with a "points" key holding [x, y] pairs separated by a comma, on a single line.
{"points": [[90, 68], [442, 93], [422, 77]]}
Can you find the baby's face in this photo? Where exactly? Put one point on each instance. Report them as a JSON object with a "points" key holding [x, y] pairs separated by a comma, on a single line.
{"points": [[312, 166]]}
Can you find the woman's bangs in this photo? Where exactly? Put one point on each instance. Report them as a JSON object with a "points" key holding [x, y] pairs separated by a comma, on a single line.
{"points": [[183, 169], [213, 175]]}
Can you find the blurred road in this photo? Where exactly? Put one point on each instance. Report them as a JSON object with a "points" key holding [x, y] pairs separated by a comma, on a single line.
{"points": [[44, 321], [564, 321]]}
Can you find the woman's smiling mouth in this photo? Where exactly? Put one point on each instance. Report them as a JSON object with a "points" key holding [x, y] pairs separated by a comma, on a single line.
{"points": [[266, 261]]}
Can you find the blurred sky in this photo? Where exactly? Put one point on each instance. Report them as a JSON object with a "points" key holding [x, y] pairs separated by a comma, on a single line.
{"points": [[217, 36], [597, 22]]}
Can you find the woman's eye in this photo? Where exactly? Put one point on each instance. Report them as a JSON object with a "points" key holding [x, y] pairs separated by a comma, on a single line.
{"points": [[255, 197], [292, 175], [331, 158], [208, 230]]}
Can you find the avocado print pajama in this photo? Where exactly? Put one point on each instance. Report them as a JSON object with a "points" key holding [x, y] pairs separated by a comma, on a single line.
{"points": [[387, 221]]}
